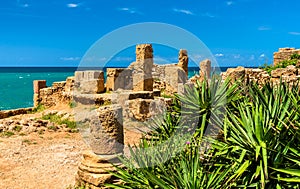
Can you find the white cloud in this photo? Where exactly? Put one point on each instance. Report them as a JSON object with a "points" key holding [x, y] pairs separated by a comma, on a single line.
{"points": [[262, 56], [207, 14], [263, 28], [252, 57], [184, 11], [229, 3], [219, 55], [73, 5], [129, 10], [294, 33], [25, 5], [70, 58]]}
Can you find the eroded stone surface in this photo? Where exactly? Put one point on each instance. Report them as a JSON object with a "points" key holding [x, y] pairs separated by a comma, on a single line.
{"points": [[142, 68], [89, 82], [93, 170], [205, 69], [106, 130], [183, 60]]}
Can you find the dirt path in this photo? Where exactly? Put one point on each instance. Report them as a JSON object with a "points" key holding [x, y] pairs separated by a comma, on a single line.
{"points": [[40, 161], [47, 160]]}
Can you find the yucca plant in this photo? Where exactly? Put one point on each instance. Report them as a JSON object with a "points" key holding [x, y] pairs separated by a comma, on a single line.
{"points": [[259, 140], [203, 106], [186, 170]]}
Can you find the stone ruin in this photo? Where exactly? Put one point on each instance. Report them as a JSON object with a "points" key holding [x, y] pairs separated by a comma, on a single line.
{"points": [[284, 54], [290, 74], [129, 94], [135, 94]]}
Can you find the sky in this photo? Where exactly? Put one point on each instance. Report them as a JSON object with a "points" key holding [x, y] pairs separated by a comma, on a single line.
{"points": [[59, 32]]}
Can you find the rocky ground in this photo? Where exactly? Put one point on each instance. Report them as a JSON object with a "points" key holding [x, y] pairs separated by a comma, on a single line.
{"points": [[35, 155]]}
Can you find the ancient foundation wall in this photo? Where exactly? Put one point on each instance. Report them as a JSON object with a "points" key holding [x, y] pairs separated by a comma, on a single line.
{"points": [[9, 113], [284, 54], [58, 93]]}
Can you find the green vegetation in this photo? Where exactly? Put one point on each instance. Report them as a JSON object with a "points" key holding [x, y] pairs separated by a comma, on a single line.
{"points": [[59, 120], [8, 133], [283, 64], [253, 140], [28, 142], [37, 109], [18, 128], [72, 104]]}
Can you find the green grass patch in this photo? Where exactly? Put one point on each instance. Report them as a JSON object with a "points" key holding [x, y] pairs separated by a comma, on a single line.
{"points": [[8, 133], [59, 120], [37, 109], [72, 104], [18, 128]]}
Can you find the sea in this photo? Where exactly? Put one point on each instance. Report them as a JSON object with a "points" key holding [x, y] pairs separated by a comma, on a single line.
{"points": [[16, 83]]}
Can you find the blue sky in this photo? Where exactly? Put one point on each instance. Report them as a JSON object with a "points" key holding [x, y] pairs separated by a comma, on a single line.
{"points": [[58, 33]]}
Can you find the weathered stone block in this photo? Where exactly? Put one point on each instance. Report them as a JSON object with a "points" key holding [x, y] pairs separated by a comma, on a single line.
{"points": [[89, 82], [174, 76], [118, 78], [183, 60], [234, 73], [205, 69], [142, 82], [38, 84], [92, 86], [143, 52], [288, 71], [36, 100], [107, 131]]}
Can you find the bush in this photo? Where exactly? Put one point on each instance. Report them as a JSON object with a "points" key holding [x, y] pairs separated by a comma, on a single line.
{"points": [[257, 146], [283, 64]]}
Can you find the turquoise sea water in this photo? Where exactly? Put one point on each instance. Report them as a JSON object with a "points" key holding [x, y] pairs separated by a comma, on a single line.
{"points": [[16, 84]]}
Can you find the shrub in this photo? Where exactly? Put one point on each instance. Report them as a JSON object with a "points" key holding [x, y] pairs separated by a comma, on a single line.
{"points": [[283, 64], [258, 145]]}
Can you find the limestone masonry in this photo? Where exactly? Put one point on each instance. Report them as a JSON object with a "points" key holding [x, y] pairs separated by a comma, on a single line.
{"points": [[284, 54]]}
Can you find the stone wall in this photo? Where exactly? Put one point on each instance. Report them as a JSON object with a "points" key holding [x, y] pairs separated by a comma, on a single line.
{"points": [[284, 54], [169, 78], [290, 75], [9, 113], [118, 78], [58, 93]]}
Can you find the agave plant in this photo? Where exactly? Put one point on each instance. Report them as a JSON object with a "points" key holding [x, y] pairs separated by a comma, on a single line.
{"points": [[204, 105], [261, 139], [258, 146]]}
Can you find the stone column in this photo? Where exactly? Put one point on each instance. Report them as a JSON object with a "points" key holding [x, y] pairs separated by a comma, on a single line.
{"points": [[142, 68], [107, 142], [106, 137], [183, 60], [205, 69], [37, 85]]}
